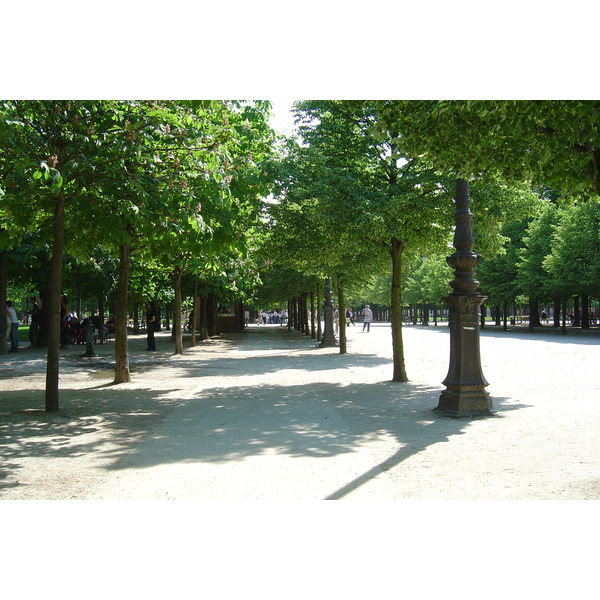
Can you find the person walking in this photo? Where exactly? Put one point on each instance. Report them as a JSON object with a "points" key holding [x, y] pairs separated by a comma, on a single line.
{"points": [[367, 314], [14, 327], [349, 318], [151, 322]]}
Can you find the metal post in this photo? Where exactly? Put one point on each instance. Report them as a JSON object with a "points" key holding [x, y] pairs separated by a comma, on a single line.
{"points": [[464, 395], [89, 339], [328, 338]]}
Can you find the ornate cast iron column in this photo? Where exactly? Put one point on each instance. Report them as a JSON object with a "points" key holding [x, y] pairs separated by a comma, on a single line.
{"points": [[328, 338], [464, 395]]}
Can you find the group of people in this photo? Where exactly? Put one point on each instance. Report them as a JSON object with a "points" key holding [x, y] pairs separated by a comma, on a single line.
{"points": [[72, 331], [12, 324], [591, 317], [273, 317], [367, 315]]}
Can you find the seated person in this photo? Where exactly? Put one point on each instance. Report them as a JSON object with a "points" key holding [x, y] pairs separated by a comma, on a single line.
{"points": [[110, 324], [72, 328]]}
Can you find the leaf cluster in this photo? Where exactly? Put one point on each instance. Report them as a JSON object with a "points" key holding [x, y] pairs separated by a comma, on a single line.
{"points": [[550, 142], [175, 180]]}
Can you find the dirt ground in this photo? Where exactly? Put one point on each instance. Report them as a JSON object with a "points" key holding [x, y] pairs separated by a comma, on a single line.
{"points": [[303, 422], [60, 456]]}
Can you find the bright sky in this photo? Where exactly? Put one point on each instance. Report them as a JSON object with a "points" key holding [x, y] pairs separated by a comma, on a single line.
{"points": [[282, 119]]}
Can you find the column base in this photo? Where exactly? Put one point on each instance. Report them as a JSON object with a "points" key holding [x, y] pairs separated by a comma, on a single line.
{"points": [[465, 403]]}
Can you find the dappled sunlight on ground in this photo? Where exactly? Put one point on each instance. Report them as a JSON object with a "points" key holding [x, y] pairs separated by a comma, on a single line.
{"points": [[269, 414]]}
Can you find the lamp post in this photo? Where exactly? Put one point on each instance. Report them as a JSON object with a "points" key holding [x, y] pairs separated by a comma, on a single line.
{"points": [[89, 339], [328, 338], [464, 395]]}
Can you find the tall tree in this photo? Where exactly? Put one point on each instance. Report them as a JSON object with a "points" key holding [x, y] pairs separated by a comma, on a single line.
{"points": [[367, 202], [498, 274], [129, 174], [56, 154], [231, 211], [349, 172], [549, 142], [427, 281], [533, 279], [574, 260]]}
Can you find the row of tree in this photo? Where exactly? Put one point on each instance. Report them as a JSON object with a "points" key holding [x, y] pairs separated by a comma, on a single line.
{"points": [[176, 186], [550, 258], [352, 206], [373, 180], [362, 193]]}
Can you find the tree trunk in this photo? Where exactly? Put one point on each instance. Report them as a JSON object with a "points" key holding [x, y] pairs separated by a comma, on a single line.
{"points": [[196, 309], [313, 333], [43, 331], [3, 325], [54, 324], [212, 316], [167, 318], [425, 320], [534, 314], [397, 343], [557, 313], [177, 312], [101, 311], [78, 296], [319, 315], [342, 317], [121, 350], [136, 318], [203, 318], [585, 311], [306, 311]]}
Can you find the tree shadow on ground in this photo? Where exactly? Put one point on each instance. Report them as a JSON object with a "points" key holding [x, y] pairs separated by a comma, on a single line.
{"points": [[219, 425], [277, 364], [222, 423], [79, 428]]}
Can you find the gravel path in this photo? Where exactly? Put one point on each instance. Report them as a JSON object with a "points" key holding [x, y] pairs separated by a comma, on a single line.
{"points": [[267, 415]]}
